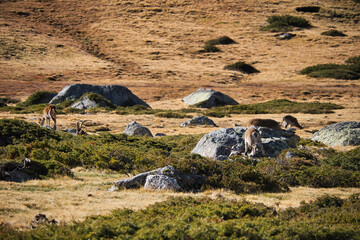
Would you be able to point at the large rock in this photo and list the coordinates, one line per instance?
(217, 144)
(222, 143)
(339, 134)
(161, 182)
(116, 94)
(199, 120)
(136, 129)
(207, 98)
(186, 181)
(85, 103)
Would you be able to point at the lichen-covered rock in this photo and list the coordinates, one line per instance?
(207, 98)
(185, 181)
(116, 94)
(218, 144)
(136, 129)
(225, 142)
(161, 182)
(84, 103)
(199, 120)
(339, 134)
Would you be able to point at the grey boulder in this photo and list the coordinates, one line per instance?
(136, 129)
(116, 94)
(185, 181)
(199, 120)
(84, 103)
(225, 142)
(207, 98)
(339, 134)
(161, 182)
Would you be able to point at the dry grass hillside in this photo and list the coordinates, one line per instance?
(153, 48)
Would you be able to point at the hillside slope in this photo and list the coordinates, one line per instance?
(153, 46)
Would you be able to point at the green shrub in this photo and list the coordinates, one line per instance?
(221, 41)
(285, 23)
(241, 67)
(172, 114)
(14, 131)
(349, 160)
(273, 106)
(327, 217)
(333, 33)
(210, 48)
(38, 98)
(353, 60)
(310, 9)
(336, 71)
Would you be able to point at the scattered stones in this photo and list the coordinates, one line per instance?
(207, 98)
(199, 120)
(136, 129)
(339, 134)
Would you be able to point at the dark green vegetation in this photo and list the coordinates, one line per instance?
(38, 98)
(350, 71)
(328, 217)
(334, 33)
(274, 106)
(285, 23)
(310, 9)
(241, 67)
(55, 153)
(221, 41)
(210, 48)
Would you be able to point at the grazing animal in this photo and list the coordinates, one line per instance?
(253, 141)
(269, 123)
(79, 131)
(49, 112)
(289, 120)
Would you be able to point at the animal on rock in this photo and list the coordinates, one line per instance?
(49, 112)
(253, 141)
(269, 123)
(289, 120)
(79, 124)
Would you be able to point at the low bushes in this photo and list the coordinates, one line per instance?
(241, 67)
(333, 33)
(285, 23)
(327, 217)
(273, 106)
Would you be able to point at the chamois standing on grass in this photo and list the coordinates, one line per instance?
(49, 112)
(269, 123)
(253, 141)
(289, 120)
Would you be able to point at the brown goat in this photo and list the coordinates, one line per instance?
(269, 123)
(49, 112)
(289, 120)
(253, 141)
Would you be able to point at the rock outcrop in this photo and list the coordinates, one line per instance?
(199, 120)
(339, 134)
(224, 142)
(136, 129)
(208, 98)
(116, 94)
(166, 178)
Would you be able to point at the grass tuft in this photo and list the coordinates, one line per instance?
(285, 23)
(333, 33)
(221, 41)
(241, 67)
(336, 71)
